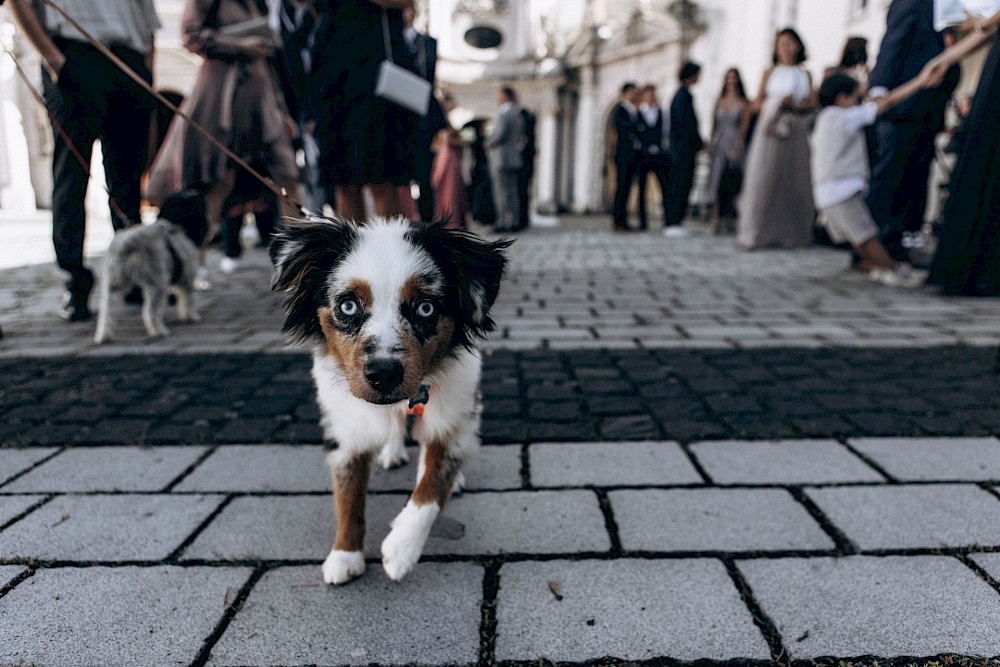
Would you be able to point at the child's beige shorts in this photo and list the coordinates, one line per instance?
(850, 221)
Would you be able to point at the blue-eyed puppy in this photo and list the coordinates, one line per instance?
(392, 311)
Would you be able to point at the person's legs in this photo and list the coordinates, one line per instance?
(871, 251)
(350, 202)
(125, 135)
(422, 173)
(78, 120)
(642, 175)
(661, 169)
(387, 201)
(512, 198)
(680, 191)
(913, 207)
(624, 177)
(886, 184)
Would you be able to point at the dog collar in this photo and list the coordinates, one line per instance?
(417, 403)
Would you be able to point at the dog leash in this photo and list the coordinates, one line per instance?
(130, 73)
(115, 208)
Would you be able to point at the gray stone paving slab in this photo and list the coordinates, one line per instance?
(923, 459)
(909, 517)
(106, 528)
(13, 461)
(989, 562)
(493, 467)
(781, 462)
(122, 616)
(8, 572)
(714, 520)
(537, 522)
(11, 506)
(610, 464)
(627, 609)
(286, 528)
(292, 617)
(302, 527)
(108, 469)
(260, 468)
(886, 607)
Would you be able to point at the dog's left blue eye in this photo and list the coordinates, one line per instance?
(349, 308)
(425, 309)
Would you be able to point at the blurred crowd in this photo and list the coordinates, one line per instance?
(287, 91)
(846, 160)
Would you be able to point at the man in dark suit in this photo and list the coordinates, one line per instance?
(905, 135)
(685, 143)
(654, 160)
(423, 52)
(507, 143)
(628, 148)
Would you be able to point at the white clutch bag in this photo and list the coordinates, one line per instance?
(255, 27)
(403, 88)
(399, 85)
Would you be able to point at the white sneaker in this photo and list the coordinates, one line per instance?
(676, 232)
(903, 275)
(201, 279)
(228, 264)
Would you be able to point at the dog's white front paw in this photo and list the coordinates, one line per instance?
(342, 566)
(401, 549)
(393, 455)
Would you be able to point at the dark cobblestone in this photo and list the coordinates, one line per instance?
(529, 396)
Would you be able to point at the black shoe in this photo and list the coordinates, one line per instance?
(74, 307)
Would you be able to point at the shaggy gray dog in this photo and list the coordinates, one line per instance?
(156, 258)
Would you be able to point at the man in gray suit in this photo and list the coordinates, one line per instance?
(507, 142)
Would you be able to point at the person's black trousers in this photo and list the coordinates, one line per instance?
(681, 182)
(422, 175)
(897, 195)
(625, 173)
(659, 166)
(94, 100)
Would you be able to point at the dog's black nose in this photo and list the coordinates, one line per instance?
(384, 375)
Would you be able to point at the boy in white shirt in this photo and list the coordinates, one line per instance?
(840, 173)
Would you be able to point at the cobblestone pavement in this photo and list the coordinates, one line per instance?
(690, 454)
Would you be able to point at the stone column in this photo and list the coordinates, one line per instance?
(548, 153)
(567, 115)
(586, 196)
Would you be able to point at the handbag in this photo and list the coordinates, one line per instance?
(399, 85)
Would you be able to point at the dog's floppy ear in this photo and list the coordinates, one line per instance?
(304, 254)
(472, 269)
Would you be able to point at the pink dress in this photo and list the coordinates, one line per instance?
(450, 201)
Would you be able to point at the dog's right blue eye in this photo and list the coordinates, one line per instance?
(349, 308)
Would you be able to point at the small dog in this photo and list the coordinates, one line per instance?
(392, 311)
(155, 258)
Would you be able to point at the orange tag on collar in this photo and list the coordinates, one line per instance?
(418, 402)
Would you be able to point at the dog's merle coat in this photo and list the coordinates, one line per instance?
(390, 309)
(156, 258)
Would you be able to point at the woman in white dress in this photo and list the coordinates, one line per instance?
(776, 208)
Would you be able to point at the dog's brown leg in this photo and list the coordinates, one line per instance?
(350, 486)
(401, 549)
(438, 479)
